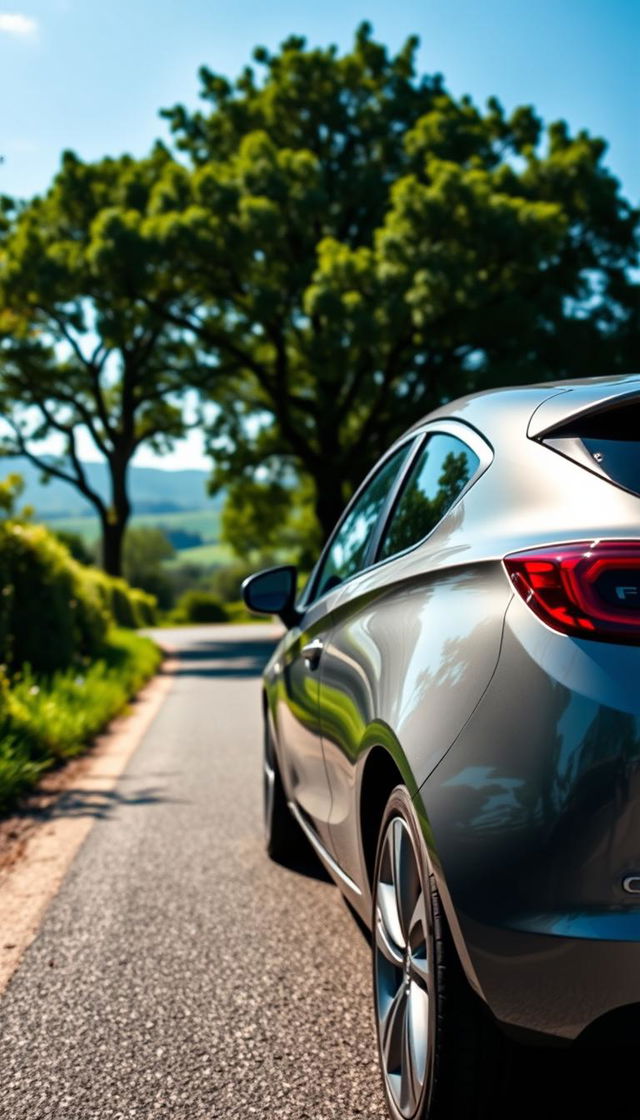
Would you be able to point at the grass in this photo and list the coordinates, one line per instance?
(48, 720)
(204, 555)
(206, 522)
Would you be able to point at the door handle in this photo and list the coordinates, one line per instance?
(312, 653)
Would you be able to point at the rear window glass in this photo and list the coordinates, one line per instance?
(347, 552)
(608, 442)
(440, 474)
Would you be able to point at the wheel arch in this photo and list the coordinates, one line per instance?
(380, 774)
(384, 767)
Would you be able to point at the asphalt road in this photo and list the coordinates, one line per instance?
(178, 973)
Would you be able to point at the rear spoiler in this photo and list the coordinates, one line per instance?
(569, 404)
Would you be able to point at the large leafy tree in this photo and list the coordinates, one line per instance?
(84, 355)
(354, 246)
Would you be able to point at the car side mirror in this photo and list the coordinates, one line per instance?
(273, 592)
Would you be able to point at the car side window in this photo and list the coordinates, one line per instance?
(348, 549)
(441, 471)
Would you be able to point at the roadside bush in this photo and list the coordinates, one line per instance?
(18, 767)
(226, 581)
(199, 606)
(129, 607)
(44, 720)
(237, 612)
(77, 546)
(53, 610)
(50, 613)
(145, 607)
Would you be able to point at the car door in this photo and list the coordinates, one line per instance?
(390, 631)
(300, 671)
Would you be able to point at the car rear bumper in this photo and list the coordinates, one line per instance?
(534, 822)
(548, 985)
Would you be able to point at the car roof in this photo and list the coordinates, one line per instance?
(534, 409)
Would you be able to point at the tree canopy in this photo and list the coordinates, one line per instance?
(356, 246)
(83, 354)
(335, 246)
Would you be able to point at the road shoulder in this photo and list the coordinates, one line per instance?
(37, 847)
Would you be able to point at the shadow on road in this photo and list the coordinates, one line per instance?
(304, 861)
(236, 660)
(585, 1084)
(87, 802)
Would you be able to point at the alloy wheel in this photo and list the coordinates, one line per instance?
(403, 970)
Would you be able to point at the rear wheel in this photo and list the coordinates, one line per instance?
(440, 1054)
(283, 836)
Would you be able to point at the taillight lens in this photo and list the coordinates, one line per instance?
(590, 589)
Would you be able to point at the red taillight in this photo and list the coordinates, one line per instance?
(590, 589)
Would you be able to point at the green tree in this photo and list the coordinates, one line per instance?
(83, 354)
(145, 552)
(263, 520)
(354, 246)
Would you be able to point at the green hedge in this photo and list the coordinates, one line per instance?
(44, 720)
(54, 611)
(64, 670)
(128, 606)
(50, 614)
(199, 606)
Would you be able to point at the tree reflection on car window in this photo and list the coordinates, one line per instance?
(348, 550)
(439, 476)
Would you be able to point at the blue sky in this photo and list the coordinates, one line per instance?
(92, 75)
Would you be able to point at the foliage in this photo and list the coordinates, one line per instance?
(226, 582)
(355, 246)
(199, 606)
(237, 612)
(145, 607)
(50, 614)
(270, 518)
(11, 488)
(129, 607)
(145, 552)
(82, 349)
(338, 246)
(46, 720)
(53, 610)
(77, 546)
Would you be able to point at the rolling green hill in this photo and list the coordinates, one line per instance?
(175, 501)
(153, 491)
(204, 523)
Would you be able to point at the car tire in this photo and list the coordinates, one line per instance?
(283, 836)
(440, 1053)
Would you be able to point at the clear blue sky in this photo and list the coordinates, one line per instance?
(91, 74)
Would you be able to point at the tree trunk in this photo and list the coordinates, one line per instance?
(112, 541)
(114, 523)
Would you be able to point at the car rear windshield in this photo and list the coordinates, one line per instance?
(607, 442)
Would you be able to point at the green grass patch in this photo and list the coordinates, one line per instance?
(206, 522)
(45, 720)
(203, 555)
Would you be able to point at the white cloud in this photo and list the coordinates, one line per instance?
(14, 23)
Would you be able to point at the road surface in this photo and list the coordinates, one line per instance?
(178, 973)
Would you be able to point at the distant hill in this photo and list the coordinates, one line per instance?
(152, 491)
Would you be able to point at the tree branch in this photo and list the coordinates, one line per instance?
(79, 481)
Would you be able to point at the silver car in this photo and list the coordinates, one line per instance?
(453, 721)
